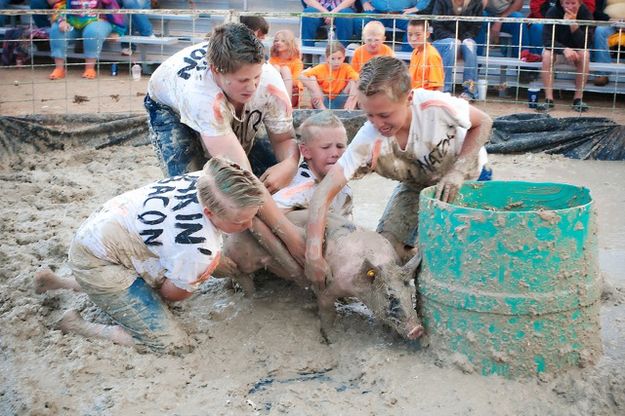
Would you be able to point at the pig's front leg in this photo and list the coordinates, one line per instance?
(246, 281)
(327, 315)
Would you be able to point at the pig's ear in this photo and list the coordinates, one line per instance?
(411, 266)
(369, 271)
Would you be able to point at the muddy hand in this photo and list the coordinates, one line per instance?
(448, 187)
(317, 272)
(227, 268)
(278, 176)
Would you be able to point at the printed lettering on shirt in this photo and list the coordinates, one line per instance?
(195, 61)
(173, 199)
(430, 162)
(252, 120)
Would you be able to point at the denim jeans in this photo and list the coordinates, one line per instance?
(447, 48)
(602, 52)
(514, 29)
(178, 147)
(336, 103)
(139, 23)
(344, 27)
(40, 20)
(142, 312)
(93, 36)
(3, 5)
(535, 38)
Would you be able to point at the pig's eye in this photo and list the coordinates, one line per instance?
(371, 274)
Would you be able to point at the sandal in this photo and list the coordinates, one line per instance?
(89, 73)
(58, 73)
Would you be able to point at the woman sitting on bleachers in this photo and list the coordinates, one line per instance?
(138, 23)
(92, 28)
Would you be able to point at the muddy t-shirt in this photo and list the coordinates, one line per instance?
(299, 192)
(159, 230)
(439, 125)
(185, 83)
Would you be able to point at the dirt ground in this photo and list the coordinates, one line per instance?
(260, 355)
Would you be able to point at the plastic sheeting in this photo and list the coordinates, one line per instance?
(575, 137)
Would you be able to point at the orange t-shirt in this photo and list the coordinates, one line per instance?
(332, 83)
(426, 68)
(295, 65)
(362, 56)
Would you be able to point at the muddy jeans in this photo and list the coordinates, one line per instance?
(179, 148)
(138, 308)
(401, 215)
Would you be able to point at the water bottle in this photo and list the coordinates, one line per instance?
(113, 70)
(136, 72)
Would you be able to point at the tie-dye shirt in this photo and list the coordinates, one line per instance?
(80, 21)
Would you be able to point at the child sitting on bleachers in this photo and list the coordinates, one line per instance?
(426, 64)
(373, 36)
(332, 84)
(285, 57)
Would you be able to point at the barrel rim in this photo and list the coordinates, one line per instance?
(423, 197)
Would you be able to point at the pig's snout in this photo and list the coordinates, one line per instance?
(415, 332)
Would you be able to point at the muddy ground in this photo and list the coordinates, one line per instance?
(261, 355)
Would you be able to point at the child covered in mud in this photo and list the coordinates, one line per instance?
(154, 245)
(417, 137)
(323, 140)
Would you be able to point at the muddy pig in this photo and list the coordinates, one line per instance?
(364, 265)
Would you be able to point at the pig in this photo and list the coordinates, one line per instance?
(363, 265)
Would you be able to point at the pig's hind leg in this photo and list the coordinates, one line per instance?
(327, 316)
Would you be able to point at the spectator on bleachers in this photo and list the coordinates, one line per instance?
(373, 35)
(501, 8)
(538, 9)
(285, 57)
(426, 64)
(3, 5)
(570, 44)
(604, 35)
(344, 26)
(256, 24)
(93, 29)
(40, 20)
(449, 46)
(138, 24)
(332, 84)
(397, 7)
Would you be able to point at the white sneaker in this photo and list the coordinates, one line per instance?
(127, 51)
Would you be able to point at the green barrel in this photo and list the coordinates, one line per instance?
(509, 277)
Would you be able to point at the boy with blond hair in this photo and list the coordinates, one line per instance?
(426, 64)
(373, 36)
(332, 84)
(322, 141)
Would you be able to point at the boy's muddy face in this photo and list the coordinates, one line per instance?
(373, 42)
(324, 148)
(336, 59)
(241, 85)
(388, 116)
(233, 220)
(416, 36)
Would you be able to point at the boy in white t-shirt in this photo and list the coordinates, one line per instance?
(155, 244)
(417, 137)
(323, 140)
(210, 100)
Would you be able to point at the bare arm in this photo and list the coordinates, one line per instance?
(476, 137)
(226, 146)
(315, 267)
(315, 91)
(316, 5)
(287, 152)
(173, 293)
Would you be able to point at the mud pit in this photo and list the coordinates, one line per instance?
(261, 355)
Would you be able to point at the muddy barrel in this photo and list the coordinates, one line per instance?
(509, 282)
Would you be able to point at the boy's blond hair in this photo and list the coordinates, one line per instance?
(387, 75)
(223, 181)
(321, 119)
(373, 28)
(233, 45)
(334, 47)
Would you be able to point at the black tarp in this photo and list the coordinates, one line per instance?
(575, 137)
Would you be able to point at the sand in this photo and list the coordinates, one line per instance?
(262, 355)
